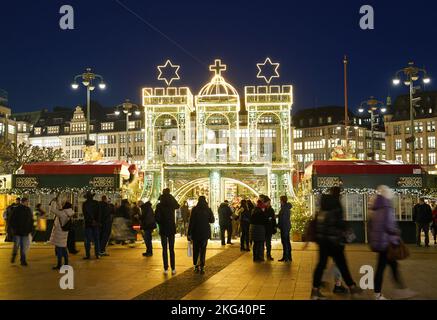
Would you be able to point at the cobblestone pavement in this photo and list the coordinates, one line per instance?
(125, 274)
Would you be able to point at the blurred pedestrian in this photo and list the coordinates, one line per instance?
(148, 224)
(185, 215)
(244, 215)
(61, 227)
(384, 232)
(135, 220)
(165, 217)
(105, 224)
(122, 224)
(39, 233)
(422, 216)
(434, 223)
(258, 223)
(225, 222)
(284, 224)
(330, 233)
(21, 227)
(91, 215)
(199, 232)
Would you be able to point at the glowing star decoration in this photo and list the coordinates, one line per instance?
(267, 75)
(168, 72)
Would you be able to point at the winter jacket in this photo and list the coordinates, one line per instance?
(21, 221)
(284, 217)
(422, 213)
(258, 223)
(59, 237)
(330, 226)
(185, 213)
(105, 213)
(165, 215)
(123, 212)
(382, 226)
(225, 214)
(271, 225)
(244, 217)
(148, 221)
(136, 215)
(91, 213)
(199, 228)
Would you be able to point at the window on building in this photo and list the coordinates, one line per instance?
(298, 146)
(418, 144)
(37, 131)
(383, 147)
(112, 139)
(107, 126)
(11, 129)
(67, 142)
(430, 126)
(102, 139)
(132, 124)
(78, 127)
(418, 127)
(297, 134)
(431, 142)
(53, 130)
(432, 158)
(67, 129)
(398, 144)
(397, 130)
(329, 120)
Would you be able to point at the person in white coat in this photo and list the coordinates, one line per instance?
(59, 235)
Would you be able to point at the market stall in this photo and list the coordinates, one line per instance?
(359, 180)
(43, 181)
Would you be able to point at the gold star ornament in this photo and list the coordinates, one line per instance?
(168, 72)
(267, 70)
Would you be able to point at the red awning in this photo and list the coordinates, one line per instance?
(362, 167)
(81, 167)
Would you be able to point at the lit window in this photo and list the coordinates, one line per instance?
(103, 140)
(432, 158)
(297, 134)
(37, 131)
(329, 119)
(132, 124)
(53, 130)
(431, 142)
(398, 144)
(11, 129)
(107, 126)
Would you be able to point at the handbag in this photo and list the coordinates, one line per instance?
(397, 252)
(190, 249)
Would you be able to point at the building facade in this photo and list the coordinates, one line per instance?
(398, 126)
(316, 132)
(8, 127)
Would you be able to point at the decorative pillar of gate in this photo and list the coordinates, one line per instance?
(215, 189)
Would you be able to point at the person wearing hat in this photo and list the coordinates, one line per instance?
(91, 215)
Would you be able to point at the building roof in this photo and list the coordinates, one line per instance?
(425, 108)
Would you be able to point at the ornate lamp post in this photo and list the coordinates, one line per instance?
(374, 108)
(128, 109)
(88, 79)
(410, 75)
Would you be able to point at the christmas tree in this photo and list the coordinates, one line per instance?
(300, 214)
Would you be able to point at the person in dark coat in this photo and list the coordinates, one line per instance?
(165, 217)
(258, 223)
(199, 231)
(284, 224)
(7, 216)
(148, 224)
(270, 227)
(91, 215)
(71, 239)
(422, 216)
(330, 231)
(105, 224)
(21, 226)
(225, 221)
(185, 215)
(244, 225)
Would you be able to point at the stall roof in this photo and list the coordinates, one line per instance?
(76, 168)
(362, 168)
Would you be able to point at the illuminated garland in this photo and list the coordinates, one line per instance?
(416, 192)
(48, 191)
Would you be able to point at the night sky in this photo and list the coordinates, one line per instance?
(38, 60)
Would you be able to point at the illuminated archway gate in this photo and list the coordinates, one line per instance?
(181, 179)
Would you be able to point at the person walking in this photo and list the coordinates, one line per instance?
(7, 216)
(284, 224)
(330, 231)
(384, 232)
(105, 224)
(185, 214)
(61, 227)
(244, 215)
(434, 224)
(148, 224)
(91, 214)
(225, 222)
(258, 223)
(165, 217)
(422, 216)
(199, 232)
(21, 227)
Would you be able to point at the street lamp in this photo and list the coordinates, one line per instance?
(411, 74)
(128, 109)
(373, 107)
(88, 79)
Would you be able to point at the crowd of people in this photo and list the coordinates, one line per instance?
(257, 223)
